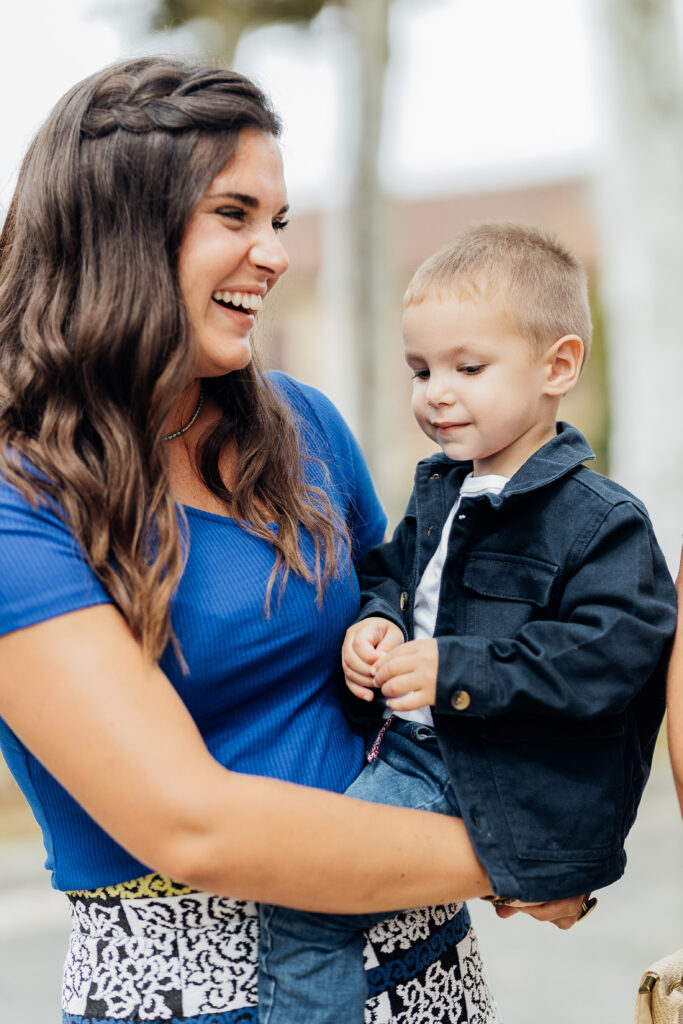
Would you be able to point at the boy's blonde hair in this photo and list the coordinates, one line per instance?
(544, 284)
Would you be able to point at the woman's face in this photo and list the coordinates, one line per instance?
(232, 253)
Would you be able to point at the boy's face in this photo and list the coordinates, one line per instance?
(479, 387)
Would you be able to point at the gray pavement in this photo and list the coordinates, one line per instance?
(539, 974)
(34, 930)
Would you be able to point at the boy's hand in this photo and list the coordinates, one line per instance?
(364, 644)
(407, 675)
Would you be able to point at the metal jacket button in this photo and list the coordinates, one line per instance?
(404, 600)
(435, 476)
(461, 700)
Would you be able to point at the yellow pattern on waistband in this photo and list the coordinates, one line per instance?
(137, 888)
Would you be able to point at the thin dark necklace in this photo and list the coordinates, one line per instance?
(193, 417)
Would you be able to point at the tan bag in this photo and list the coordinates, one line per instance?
(660, 996)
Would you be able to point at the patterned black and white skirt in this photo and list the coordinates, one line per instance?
(153, 950)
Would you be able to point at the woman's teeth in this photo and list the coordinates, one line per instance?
(246, 300)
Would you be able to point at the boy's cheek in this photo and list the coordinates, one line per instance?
(420, 414)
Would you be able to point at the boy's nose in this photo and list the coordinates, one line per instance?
(440, 392)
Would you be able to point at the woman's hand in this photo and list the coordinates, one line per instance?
(364, 645)
(562, 913)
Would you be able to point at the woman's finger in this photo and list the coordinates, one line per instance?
(562, 913)
(564, 923)
(506, 911)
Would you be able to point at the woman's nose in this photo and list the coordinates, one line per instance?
(268, 254)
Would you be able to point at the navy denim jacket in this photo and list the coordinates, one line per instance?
(554, 625)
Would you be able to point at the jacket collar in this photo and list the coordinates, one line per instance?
(563, 453)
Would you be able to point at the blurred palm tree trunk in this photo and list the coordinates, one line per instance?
(640, 220)
(369, 248)
(355, 277)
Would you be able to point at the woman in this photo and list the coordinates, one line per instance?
(175, 530)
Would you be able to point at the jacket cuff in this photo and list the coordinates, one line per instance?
(382, 610)
(461, 686)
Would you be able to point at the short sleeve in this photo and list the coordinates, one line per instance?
(43, 570)
(327, 435)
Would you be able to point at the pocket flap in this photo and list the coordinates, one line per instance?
(510, 577)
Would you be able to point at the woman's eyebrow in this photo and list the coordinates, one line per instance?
(241, 197)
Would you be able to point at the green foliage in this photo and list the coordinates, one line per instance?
(279, 10)
(244, 12)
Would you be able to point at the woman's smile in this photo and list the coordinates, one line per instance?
(240, 306)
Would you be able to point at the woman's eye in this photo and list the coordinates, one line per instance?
(280, 225)
(232, 213)
(471, 369)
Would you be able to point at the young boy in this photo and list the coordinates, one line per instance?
(514, 633)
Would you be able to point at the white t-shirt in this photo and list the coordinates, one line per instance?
(429, 587)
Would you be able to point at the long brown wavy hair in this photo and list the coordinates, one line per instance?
(95, 345)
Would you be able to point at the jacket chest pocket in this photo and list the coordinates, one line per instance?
(504, 592)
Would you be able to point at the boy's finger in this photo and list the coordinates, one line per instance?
(352, 660)
(352, 663)
(407, 702)
(364, 692)
(358, 678)
(398, 685)
(391, 639)
(392, 666)
(364, 649)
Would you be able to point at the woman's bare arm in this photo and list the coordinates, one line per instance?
(113, 731)
(674, 697)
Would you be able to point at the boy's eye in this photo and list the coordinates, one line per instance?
(471, 369)
(420, 374)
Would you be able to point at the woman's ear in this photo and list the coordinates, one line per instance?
(563, 361)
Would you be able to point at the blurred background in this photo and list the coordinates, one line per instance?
(404, 121)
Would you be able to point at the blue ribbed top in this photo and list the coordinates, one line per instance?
(262, 691)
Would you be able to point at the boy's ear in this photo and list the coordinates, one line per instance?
(563, 362)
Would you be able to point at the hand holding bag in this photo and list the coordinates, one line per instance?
(660, 996)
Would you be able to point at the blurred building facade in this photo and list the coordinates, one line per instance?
(302, 338)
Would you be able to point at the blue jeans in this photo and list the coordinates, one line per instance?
(311, 965)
